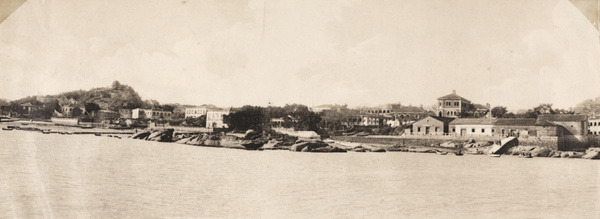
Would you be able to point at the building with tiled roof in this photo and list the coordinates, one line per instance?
(451, 105)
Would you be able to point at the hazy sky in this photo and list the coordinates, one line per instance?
(230, 53)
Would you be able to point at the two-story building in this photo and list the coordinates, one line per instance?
(432, 125)
(195, 112)
(451, 105)
(214, 118)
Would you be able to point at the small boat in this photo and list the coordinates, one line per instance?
(7, 129)
(495, 155)
(97, 134)
(458, 153)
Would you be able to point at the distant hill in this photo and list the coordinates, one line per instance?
(118, 96)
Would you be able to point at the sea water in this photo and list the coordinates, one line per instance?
(86, 176)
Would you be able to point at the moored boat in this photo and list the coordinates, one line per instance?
(458, 153)
(7, 129)
(441, 152)
(495, 155)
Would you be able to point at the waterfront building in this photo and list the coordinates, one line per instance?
(472, 126)
(214, 118)
(432, 125)
(594, 126)
(571, 124)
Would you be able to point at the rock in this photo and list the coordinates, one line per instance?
(184, 140)
(321, 149)
(212, 143)
(140, 135)
(540, 152)
(299, 146)
(338, 150)
(448, 144)
(305, 149)
(379, 150)
(564, 155)
(591, 154)
(357, 149)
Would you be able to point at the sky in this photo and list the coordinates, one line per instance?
(511, 53)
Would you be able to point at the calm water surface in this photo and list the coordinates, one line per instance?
(74, 176)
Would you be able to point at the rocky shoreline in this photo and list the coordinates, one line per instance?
(256, 141)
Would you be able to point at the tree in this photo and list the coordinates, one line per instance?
(544, 108)
(91, 107)
(248, 117)
(588, 107)
(499, 111)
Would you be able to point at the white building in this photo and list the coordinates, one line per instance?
(149, 114)
(594, 126)
(214, 118)
(195, 112)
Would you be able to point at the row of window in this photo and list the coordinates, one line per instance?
(594, 133)
(437, 129)
(594, 123)
(450, 103)
(451, 113)
(195, 111)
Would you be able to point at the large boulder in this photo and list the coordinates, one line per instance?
(540, 152)
(140, 135)
(184, 140)
(161, 136)
(448, 144)
(591, 154)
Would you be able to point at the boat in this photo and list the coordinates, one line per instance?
(97, 134)
(458, 153)
(7, 129)
(86, 127)
(495, 155)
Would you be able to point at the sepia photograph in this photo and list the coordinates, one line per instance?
(300, 109)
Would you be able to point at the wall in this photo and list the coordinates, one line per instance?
(573, 128)
(65, 121)
(469, 129)
(419, 127)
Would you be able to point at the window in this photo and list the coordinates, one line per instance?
(447, 103)
(493, 130)
(455, 103)
(419, 129)
(436, 129)
(453, 130)
(482, 130)
(473, 130)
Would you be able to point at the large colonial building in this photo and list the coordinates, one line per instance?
(451, 105)
(594, 125)
(195, 112)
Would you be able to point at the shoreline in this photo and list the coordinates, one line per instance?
(334, 144)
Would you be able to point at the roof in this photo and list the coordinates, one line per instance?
(408, 109)
(473, 121)
(325, 106)
(515, 122)
(562, 118)
(452, 97)
(441, 119)
(479, 106)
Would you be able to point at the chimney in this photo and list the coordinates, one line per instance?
(453, 91)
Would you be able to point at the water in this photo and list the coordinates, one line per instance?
(75, 176)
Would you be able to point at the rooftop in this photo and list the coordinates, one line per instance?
(562, 118)
(453, 96)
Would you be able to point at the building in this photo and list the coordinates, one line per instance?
(69, 109)
(451, 105)
(28, 108)
(214, 118)
(594, 126)
(570, 124)
(107, 115)
(432, 125)
(195, 112)
(471, 126)
(125, 113)
(150, 114)
(503, 127)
